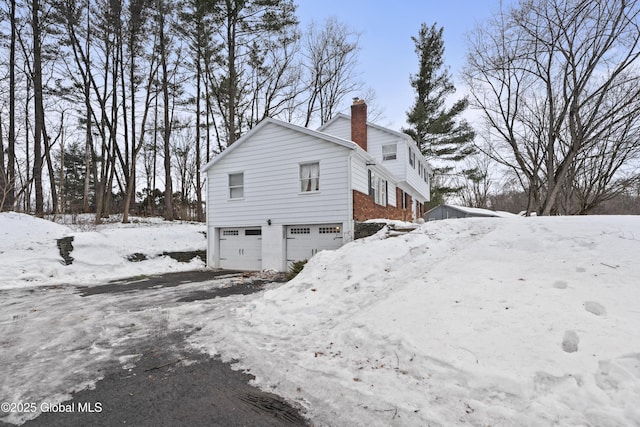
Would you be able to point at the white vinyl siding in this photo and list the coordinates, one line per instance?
(400, 168)
(271, 161)
(360, 180)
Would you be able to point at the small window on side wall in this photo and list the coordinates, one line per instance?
(389, 152)
(309, 177)
(236, 185)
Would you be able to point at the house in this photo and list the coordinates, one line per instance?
(283, 192)
(451, 211)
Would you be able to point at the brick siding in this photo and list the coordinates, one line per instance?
(365, 208)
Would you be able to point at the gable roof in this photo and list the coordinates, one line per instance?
(341, 116)
(317, 134)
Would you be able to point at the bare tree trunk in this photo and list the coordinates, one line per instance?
(88, 146)
(135, 149)
(9, 201)
(38, 107)
(4, 187)
(168, 188)
(47, 155)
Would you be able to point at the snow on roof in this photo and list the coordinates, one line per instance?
(482, 212)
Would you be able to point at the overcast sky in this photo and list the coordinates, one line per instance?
(387, 57)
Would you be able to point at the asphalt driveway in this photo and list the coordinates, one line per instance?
(172, 384)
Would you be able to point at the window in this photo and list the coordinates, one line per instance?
(309, 177)
(412, 158)
(300, 230)
(236, 185)
(389, 152)
(229, 232)
(253, 232)
(329, 230)
(406, 200)
(378, 189)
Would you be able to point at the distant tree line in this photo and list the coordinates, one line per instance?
(100, 99)
(114, 106)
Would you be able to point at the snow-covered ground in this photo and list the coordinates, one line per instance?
(29, 255)
(487, 321)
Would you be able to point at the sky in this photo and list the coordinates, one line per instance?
(387, 58)
(527, 321)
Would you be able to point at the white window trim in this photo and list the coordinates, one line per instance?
(232, 187)
(378, 188)
(391, 155)
(311, 178)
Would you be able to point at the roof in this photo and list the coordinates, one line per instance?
(324, 136)
(479, 212)
(342, 116)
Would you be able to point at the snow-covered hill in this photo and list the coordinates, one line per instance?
(29, 255)
(523, 321)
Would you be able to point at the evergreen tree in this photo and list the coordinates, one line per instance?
(70, 180)
(442, 137)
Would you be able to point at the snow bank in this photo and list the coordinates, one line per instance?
(461, 321)
(29, 255)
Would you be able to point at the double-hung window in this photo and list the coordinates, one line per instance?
(412, 158)
(378, 189)
(236, 185)
(309, 177)
(389, 152)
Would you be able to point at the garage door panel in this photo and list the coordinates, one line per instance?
(304, 241)
(241, 248)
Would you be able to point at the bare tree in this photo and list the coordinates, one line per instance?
(10, 173)
(476, 186)
(330, 63)
(243, 26)
(556, 80)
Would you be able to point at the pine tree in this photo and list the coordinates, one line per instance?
(442, 137)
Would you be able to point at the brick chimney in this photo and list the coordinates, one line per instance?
(359, 123)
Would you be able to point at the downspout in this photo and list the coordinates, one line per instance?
(351, 222)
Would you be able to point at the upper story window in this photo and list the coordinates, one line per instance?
(389, 152)
(412, 158)
(236, 185)
(309, 177)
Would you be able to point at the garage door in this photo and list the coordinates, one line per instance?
(241, 248)
(304, 241)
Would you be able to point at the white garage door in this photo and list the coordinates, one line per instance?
(241, 248)
(304, 241)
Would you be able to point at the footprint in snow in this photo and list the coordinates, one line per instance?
(570, 341)
(560, 284)
(595, 308)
